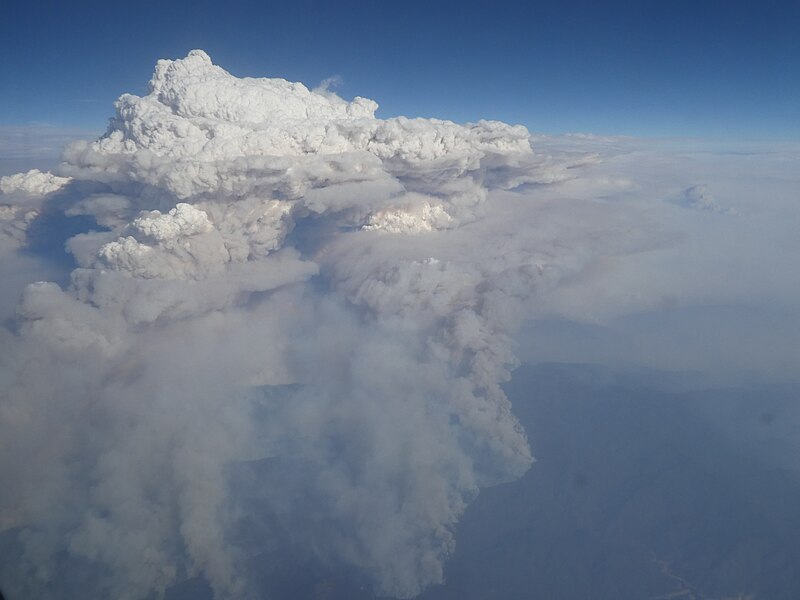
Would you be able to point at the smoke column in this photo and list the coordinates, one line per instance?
(286, 327)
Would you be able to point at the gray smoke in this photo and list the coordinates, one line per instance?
(287, 327)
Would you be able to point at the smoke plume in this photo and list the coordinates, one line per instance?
(285, 329)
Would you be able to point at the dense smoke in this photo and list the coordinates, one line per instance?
(286, 328)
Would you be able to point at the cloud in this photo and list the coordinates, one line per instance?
(699, 198)
(255, 293)
(286, 324)
(33, 183)
(718, 292)
(328, 84)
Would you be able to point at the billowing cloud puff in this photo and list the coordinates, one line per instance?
(20, 198)
(202, 131)
(34, 183)
(288, 324)
(699, 197)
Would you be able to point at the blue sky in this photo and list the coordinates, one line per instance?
(676, 68)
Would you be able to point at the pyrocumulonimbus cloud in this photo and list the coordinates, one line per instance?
(287, 326)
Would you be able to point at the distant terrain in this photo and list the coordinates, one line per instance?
(639, 493)
(645, 487)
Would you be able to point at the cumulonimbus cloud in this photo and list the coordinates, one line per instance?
(288, 324)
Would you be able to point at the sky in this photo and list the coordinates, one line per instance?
(687, 68)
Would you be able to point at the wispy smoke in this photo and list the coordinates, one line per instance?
(288, 325)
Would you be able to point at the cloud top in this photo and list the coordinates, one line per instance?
(197, 115)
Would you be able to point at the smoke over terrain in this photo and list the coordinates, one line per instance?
(270, 322)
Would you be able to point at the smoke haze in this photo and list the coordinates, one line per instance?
(266, 319)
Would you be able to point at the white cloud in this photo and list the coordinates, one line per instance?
(34, 183)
